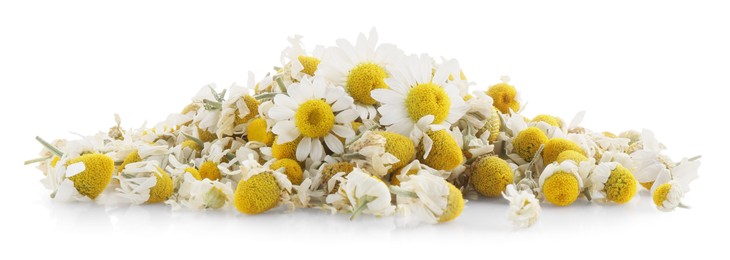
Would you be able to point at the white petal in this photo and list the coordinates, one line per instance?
(286, 130)
(396, 86)
(304, 148)
(317, 151)
(387, 96)
(334, 144)
(343, 131)
(281, 113)
(74, 169)
(284, 100)
(427, 144)
(343, 103)
(346, 116)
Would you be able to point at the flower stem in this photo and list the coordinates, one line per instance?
(195, 139)
(49, 146)
(361, 206)
(37, 160)
(269, 95)
(281, 85)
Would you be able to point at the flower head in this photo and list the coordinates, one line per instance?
(491, 175)
(560, 183)
(524, 208)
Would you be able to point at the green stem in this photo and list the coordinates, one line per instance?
(197, 140)
(49, 146)
(263, 96)
(695, 158)
(37, 160)
(281, 85)
(362, 205)
(399, 191)
(212, 105)
(351, 156)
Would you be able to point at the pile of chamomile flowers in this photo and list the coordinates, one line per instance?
(362, 129)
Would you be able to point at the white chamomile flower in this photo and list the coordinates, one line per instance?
(210, 110)
(524, 208)
(362, 193)
(297, 62)
(57, 180)
(416, 93)
(315, 111)
(479, 110)
(359, 69)
(138, 183)
(668, 196)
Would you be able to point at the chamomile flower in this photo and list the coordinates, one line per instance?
(260, 189)
(95, 176)
(440, 150)
(561, 184)
(144, 182)
(670, 186)
(424, 197)
(317, 112)
(415, 92)
(524, 208)
(373, 156)
(490, 176)
(613, 182)
(362, 193)
(198, 194)
(237, 110)
(359, 69)
(650, 162)
(505, 96)
(297, 62)
(209, 110)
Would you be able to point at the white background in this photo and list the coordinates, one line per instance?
(70, 65)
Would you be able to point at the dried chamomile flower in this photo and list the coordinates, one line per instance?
(97, 174)
(490, 176)
(555, 146)
(443, 153)
(560, 183)
(362, 193)
(505, 97)
(524, 208)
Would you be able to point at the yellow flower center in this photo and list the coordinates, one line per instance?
(394, 179)
(504, 95)
(647, 185)
(399, 146)
(445, 152)
(209, 170)
(454, 204)
(330, 170)
(314, 118)
(571, 155)
(194, 172)
(550, 120)
(257, 194)
(428, 99)
(132, 157)
(206, 136)
(621, 185)
(292, 170)
(555, 146)
(162, 189)
(660, 194)
(285, 150)
(192, 145)
(490, 176)
(561, 188)
(310, 64)
(362, 79)
(253, 107)
(256, 131)
(528, 141)
(92, 181)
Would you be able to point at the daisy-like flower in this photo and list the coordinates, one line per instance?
(670, 186)
(415, 93)
(480, 111)
(359, 69)
(362, 193)
(144, 182)
(260, 189)
(373, 157)
(650, 162)
(524, 208)
(506, 97)
(297, 62)
(426, 198)
(612, 182)
(198, 194)
(317, 112)
(237, 110)
(561, 184)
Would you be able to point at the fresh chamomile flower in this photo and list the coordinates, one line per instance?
(144, 182)
(297, 62)
(427, 198)
(359, 69)
(505, 96)
(613, 182)
(555, 146)
(416, 93)
(369, 153)
(524, 208)
(198, 194)
(490, 176)
(95, 176)
(237, 110)
(440, 150)
(670, 186)
(318, 112)
(560, 183)
(362, 193)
